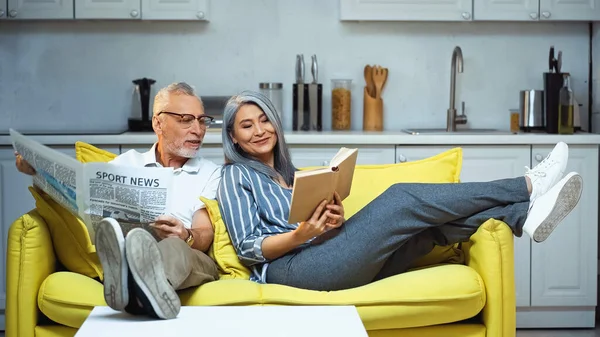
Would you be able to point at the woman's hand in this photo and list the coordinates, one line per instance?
(335, 212)
(23, 166)
(313, 227)
(169, 226)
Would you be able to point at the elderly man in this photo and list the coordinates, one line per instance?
(141, 275)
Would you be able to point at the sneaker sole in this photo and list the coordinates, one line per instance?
(110, 247)
(147, 269)
(567, 199)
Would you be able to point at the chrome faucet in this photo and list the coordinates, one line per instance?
(452, 118)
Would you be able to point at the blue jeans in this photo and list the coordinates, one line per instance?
(401, 225)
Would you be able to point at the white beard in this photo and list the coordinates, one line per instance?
(181, 151)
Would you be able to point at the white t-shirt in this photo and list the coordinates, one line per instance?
(198, 177)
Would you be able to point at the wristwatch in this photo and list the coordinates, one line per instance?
(190, 238)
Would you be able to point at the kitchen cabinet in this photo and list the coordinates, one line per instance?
(555, 281)
(406, 10)
(36, 9)
(183, 10)
(567, 10)
(484, 164)
(108, 9)
(142, 9)
(536, 10)
(175, 10)
(564, 268)
(500, 10)
(320, 155)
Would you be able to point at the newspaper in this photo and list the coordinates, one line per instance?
(92, 191)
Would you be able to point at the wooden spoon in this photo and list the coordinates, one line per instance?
(369, 80)
(379, 77)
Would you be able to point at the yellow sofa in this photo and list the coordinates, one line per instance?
(460, 290)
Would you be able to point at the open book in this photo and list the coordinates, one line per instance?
(313, 186)
(134, 196)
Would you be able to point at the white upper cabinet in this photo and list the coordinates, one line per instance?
(406, 10)
(175, 10)
(39, 9)
(567, 10)
(536, 10)
(142, 9)
(108, 9)
(509, 10)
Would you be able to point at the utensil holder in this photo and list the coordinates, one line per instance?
(372, 113)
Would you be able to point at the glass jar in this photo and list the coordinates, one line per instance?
(341, 104)
(274, 91)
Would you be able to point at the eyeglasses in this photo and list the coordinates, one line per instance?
(186, 120)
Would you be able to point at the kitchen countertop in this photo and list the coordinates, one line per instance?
(337, 138)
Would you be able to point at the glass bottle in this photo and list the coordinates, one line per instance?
(341, 104)
(565, 108)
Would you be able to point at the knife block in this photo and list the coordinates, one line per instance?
(372, 113)
(300, 108)
(552, 84)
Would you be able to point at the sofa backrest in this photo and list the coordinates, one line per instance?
(368, 182)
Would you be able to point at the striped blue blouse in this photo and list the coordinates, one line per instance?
(253, 207)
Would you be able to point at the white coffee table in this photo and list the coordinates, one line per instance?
(222, 321)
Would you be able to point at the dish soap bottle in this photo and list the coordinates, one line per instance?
(565, 108)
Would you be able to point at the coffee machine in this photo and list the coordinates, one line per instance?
(143, 92)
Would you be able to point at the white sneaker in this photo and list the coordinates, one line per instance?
(549, 171)
(110, 247)
(549, 209)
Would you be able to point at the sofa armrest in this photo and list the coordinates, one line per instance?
(30, 259)
(490, 252)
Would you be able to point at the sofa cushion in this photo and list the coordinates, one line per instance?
(68, 298)
(222, 250)
(87, 153)
(429, 296)
(70, 237)
(369, 181)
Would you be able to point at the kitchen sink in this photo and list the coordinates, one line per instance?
(443, 131)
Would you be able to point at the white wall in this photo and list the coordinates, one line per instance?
(76, 76)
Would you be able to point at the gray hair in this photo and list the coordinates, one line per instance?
(234, 154)
(178, 88)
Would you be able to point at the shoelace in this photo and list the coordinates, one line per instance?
(538, 170)
(534, 172)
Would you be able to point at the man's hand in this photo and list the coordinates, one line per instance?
(169, 226)
(23, 166)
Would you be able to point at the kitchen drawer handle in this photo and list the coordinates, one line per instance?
(1, 13)
(534, 15)
(134, 13)
(200, 15)
(325, 162)
(466, 15)
(402, 159)
(12, 13)
(546, 15)
(539, 157)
